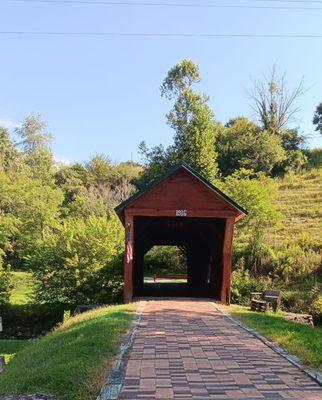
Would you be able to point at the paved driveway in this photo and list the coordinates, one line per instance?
(186, 349)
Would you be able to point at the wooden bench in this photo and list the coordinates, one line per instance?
(170, 276)
(261, 301)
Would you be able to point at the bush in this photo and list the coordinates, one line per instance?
(303, 301)
(316, 309)
(29, 320)
(243, 284)
(80, 263)
(296, 301)
(106, 285)
(5, 286)
(164, 259)
(314, 157)
(296, 261)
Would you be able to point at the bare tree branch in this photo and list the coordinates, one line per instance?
(273, 102)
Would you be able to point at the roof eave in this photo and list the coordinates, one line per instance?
(119, 208)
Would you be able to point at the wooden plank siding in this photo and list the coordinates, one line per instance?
(184, 192)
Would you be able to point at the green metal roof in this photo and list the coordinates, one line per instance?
(168, 173)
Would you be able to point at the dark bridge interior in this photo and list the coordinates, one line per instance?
(202, 241)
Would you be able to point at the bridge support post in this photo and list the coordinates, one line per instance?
(128, 258)
(226, 260)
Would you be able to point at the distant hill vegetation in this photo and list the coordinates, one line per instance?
(300, 202)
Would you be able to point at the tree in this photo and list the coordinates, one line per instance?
(179, 78)
(193, 122)
(35, 147)
(80, 262)
(95, 188)
(292, 140)
(257, 193)
(243, 144)
(317, 119)
(274, 103)
(32, 133)
(99, 170)
(8, 154)
(5, 285)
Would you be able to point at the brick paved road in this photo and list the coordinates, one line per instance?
(187, 349)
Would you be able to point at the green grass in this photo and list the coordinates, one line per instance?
(71, 361)
(300, 203)
(9, 348)
(22, 287)
(303, 341)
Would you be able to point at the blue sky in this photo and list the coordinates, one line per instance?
(101, 94)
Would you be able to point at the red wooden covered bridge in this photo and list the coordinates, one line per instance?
(182, 209)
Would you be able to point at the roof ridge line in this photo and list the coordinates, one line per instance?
(191, 170)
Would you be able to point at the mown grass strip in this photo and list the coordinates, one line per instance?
(9, 348)
(71, 361)
(303, 341)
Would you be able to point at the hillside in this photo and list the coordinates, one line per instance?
(72, 360)
(300, 203)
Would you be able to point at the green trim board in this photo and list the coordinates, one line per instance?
(158, 180)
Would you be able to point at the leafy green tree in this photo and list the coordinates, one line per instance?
(317, 119)
(5, 285)
(243, 144)
(28, 210)
(80, 262)
(129, 170)
(257, 193)
(99, 170)
(72, 180)
(38, 211)
(35, 148)
(179, 78)
(294, 162)
(158, 161)
(9, 156)
(193, 123)
(292, 140)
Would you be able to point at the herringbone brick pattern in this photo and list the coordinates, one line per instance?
(190, 350)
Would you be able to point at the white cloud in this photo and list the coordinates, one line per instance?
(7, 123)
(61, 160)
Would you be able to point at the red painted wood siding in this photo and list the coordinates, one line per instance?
(181, 191)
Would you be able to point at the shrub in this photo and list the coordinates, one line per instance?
(243, 284)
(297, 301)
(314, 157)
(26, 321)
(5, 285)
(80, 262)
(294, 261)
(164, 259)
(303, 301)
(316, 309)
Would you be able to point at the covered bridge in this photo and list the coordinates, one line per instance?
(182, 209)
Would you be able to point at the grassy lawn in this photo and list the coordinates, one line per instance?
(22, 287)
(71, 361)
(9, 348)
(303, 341)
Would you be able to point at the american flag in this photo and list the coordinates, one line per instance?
(129, 252)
